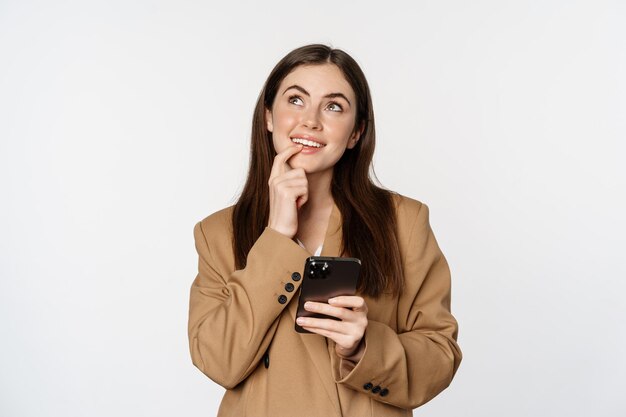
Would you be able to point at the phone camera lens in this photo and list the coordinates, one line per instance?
(319, 271)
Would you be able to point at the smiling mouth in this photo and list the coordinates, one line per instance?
(307, 142)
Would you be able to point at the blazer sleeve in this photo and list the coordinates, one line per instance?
(409, 367)
(233, 316)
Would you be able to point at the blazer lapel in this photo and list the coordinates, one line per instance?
(316, 345)
(332, 240)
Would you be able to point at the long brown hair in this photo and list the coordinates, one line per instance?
(368, 213)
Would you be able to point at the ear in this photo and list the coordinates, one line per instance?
(268, 120)
(356, 136)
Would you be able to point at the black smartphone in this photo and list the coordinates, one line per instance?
(326, 277)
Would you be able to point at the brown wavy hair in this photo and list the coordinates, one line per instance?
(368, 212)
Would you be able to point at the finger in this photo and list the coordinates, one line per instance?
(331, 325)
(303, 195)
(297, 174)
(301, 201)
(323, 308)
(345, 342)
(295, 192)
(280, 160)
(326, 333)
(349, 301)
(290, 189)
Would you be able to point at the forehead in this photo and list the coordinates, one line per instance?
(318, 80)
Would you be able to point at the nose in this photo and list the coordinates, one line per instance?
(311, 119)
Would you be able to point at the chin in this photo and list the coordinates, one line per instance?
(307, 169)
(309, 165)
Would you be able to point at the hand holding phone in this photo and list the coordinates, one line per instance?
(324, 278)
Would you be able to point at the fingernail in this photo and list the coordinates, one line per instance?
(300, 320)
(307, 305)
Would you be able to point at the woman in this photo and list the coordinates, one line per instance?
(309, 192)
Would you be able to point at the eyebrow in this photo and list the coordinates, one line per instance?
(331, 95)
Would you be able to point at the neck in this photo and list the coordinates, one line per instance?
(320, 197)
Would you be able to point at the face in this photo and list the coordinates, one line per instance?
(314, 105)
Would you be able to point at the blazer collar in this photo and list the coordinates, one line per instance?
(332, 239)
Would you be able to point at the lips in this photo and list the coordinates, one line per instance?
(307, 141)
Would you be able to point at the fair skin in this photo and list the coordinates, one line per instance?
(314, 103)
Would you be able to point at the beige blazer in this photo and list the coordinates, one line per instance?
(241, 327)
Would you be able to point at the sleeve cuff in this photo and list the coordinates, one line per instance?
(273, 271)
(365, 375)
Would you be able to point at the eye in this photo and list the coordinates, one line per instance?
(297, 100)
(334, 107)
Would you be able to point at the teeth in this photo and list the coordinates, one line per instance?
(307, 142)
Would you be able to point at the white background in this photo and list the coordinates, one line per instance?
(124, 123)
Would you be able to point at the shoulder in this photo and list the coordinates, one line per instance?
(213, 235)
(412, 219)
(217, 225)
(407, 208)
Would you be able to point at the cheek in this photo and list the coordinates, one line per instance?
(284, 118)
(279, 144)
(283, 122)
(340, 131)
